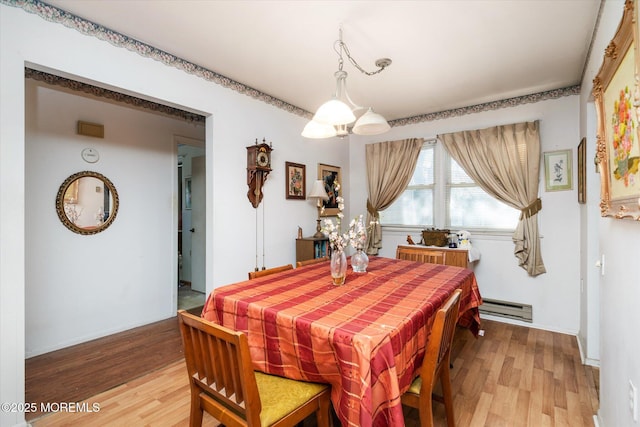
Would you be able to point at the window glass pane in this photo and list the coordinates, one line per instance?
(414, 207)
(471, 207)
(423, 175)
(458, 176)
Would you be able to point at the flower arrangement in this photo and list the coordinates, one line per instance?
(338, 241)
(355, 236)
(357, 233)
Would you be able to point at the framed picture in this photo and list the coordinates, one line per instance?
(582, 171)
(618, 143)
(557, 170)
(296, 181)
(330, 176)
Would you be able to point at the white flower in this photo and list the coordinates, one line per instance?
(355, 236)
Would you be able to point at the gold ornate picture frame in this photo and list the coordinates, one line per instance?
(616, 89)
(330, 176)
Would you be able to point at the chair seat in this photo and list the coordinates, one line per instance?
(415, 386)
(281, 396)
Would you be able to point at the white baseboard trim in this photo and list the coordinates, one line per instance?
(527, 324)
(586, 360)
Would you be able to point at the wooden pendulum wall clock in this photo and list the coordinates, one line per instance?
(258, 167)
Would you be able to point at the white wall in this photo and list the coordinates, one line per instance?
(75, 283)
(555, 295)
(619, 288)
(234, 122)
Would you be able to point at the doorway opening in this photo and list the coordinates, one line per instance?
(191, 223)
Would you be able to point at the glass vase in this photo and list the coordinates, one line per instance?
(359, 261)
(338, 267)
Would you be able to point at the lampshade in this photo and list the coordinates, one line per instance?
(371, 123)
(317, 130)
(334, 112)
(318, 191)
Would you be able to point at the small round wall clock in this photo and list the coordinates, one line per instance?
(90, 155)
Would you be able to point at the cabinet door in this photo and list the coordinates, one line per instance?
(457, 258)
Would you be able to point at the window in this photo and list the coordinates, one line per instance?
(446, 197)
(415, 205)
(469, 206)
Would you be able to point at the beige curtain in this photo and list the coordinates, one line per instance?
(505, 162)
(390, 166)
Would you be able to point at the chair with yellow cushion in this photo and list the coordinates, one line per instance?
(436, 365)
(224, 384)
(260, 273)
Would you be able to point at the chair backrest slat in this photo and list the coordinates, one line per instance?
(312, 261)
(260, 273)
(441, 337)
(218, 362)
(421, 254)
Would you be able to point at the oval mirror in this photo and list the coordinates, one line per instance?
(87, 202)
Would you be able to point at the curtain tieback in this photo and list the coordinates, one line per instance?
(531, 210)
(372, 211)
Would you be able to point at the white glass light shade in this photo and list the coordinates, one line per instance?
(317, 130)
(371, 123)
(334, 112)
(318, 191)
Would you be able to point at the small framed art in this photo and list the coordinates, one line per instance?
(296, 181)
(557, 170)
(582, 171)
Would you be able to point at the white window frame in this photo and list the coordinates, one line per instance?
(440, 188)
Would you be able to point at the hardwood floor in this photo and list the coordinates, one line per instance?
(513, 376)
(78, 372)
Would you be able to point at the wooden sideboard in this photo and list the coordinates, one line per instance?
(448, 256)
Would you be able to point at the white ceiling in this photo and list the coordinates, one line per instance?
(446, 53)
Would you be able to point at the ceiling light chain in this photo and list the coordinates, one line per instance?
(381, 63)
(332, 118)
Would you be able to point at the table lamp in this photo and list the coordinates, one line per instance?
(318, 192)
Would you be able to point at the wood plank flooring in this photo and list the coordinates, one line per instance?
(513, 376)
(78, 372)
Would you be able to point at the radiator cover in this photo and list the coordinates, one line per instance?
(508, 309)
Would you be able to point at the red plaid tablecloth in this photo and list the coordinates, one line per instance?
(365, 338)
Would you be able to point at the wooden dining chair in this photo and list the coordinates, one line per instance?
(224, 384)
(260, 273)
(312, 261)
(421, 254)
(436, 365)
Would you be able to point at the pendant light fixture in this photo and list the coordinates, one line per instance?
(333, 117)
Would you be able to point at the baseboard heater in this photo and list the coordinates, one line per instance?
(511, 310)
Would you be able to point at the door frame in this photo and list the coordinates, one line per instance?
(177, 195)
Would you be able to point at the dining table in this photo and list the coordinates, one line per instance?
(366, 338)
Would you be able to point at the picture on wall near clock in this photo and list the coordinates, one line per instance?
(330, 176)
(296, 181)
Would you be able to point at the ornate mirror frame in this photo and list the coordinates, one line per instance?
(67, 198)
(616, 89)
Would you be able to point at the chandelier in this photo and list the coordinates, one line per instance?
(333, 117)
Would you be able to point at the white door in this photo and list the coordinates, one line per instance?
(198, 230)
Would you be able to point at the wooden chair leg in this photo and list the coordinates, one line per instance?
(445, 379)
(195, 417)
(426, 414)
